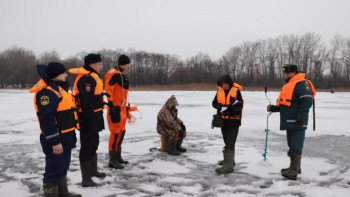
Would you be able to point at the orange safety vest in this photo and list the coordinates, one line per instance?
(225, 100)
(99, 84)
(286, 94)
(118, 95)
(66, 117)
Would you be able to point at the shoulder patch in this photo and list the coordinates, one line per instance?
(44, 100)
(88, 87)
(307, 85)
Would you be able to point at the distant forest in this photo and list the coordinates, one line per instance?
(256, 63)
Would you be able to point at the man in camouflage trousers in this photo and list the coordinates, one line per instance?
(171, 127)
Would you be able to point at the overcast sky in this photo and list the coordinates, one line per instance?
(181, 27)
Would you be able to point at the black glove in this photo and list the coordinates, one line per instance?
(183, 127)
(114, 112)
(235, 109)
(299, 122)
(273, 108)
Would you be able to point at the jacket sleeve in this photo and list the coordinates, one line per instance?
(215, 103)
(304, 96)
(167, 119)
(47, 103)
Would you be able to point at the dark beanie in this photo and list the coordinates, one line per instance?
(92, 58)
(54, 69)
(288, 68)
(123, 60)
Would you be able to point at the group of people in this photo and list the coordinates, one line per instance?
(60, 113)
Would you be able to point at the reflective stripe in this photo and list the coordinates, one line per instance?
(68, 130)
(290, 121)
(99, 109)
(305, 96)
(78, 71)
(51, 136)
(37, 85)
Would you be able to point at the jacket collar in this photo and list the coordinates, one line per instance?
(297, 77)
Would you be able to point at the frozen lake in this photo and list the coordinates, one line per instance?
(325, 163)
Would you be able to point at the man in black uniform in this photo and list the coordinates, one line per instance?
(88, 89)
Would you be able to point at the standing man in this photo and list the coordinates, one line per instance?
(293, 103)
(117, 87)
(229, 104)
(55, 109)
(88, 91)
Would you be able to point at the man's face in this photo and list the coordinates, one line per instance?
(289, 75)
(97, 66)
(125, 67)
(225, 85)
(61, 77)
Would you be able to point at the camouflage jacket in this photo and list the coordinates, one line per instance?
(168, 123)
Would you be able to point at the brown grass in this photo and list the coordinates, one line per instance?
(213, 87)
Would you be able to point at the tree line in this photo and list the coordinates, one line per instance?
(256, 63)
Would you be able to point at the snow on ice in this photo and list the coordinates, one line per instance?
(325, 163)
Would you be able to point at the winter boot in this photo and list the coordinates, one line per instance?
(94, 171)
(228, 163)
(119, 157)
(86, 174)
(178, 145)
(221, 162)
(292, 172)
(63, 189)
(50, 189)
(172, 148)
(113, 162)
(285, 169)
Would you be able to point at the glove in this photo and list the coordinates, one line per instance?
(299, 122)
(114, 112)
(273, 108)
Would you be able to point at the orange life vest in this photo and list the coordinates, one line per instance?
(286, 94)
(66, 117)
(118, 94)
(225, 99)
(82, 72)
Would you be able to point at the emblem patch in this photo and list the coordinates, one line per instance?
(307, 85)
(44, 100)
(88, 87)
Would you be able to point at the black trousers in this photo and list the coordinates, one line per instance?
(229, 133)
(89, 141)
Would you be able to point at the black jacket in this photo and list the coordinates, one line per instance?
(231, 110)
(88, 101)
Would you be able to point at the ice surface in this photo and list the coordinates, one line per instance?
(325, 163)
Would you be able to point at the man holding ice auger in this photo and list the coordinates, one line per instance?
(117, 87)
(293, 103)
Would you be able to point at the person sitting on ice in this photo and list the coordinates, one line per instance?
(171, 128)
